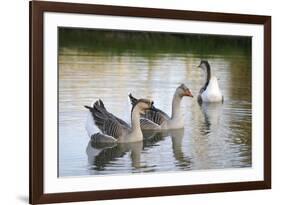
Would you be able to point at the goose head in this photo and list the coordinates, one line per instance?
(205, 66)
(182, 91)
(143, 105)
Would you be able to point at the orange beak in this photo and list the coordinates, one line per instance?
(188, 93)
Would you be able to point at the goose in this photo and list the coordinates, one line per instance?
(210, 92)
(114, 129)
(156, 119)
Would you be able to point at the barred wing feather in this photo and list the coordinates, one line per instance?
(157, 116)
(147, 124)
(107, 122)
(113, 116)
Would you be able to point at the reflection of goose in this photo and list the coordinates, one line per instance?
(210, 92)
(177, 137)
(212, 114)
(157, 119)
(102, 155)
(114, 129)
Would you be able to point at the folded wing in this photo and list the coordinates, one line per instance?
(156, 115)
(107, 122)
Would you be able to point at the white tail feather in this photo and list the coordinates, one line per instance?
(90, 124)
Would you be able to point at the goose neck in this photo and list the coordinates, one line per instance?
(135, 119)
(207, 72)
(176, 110)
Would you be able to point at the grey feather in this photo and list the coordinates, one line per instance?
(147, 124)
(102, 138)
(156, 115)
(108, 123)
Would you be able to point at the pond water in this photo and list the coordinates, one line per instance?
(216, 136)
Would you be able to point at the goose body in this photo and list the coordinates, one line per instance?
(114, 129)
(156, 119)
(210, 92)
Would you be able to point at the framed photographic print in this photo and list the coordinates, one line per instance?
(137, 102)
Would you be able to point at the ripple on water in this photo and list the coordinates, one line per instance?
(215, 137)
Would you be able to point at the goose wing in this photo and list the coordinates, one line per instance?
(155, 115)
(113, 116)
(147, 124)
(99, 138)
(107, 122)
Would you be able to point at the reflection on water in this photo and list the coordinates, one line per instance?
(212, 113)
(106, 157)
(215, 135)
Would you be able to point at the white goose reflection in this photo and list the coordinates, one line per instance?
(212, 113)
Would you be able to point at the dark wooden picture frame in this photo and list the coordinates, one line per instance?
(37, 9)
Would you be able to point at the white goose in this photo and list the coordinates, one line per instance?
(155, 119)
(210, 92)
(112, 128)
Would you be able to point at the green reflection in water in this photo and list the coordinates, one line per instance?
(151, 43)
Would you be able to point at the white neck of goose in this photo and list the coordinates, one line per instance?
(176, 110)
(135, 119)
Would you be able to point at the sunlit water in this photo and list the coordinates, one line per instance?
(215, 136)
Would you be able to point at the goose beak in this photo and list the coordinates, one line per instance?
(188, 93)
